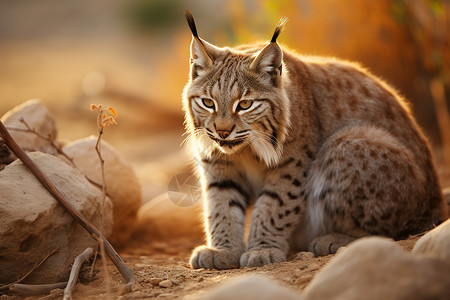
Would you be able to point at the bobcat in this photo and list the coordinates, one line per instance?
(327, 152)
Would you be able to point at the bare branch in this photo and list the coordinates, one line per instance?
(54, 144)
(35, 289)
(79, 260)
(50, 139)
(38, 265)
(7, 287)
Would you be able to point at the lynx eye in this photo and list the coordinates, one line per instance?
(208, 102)
(245, 104)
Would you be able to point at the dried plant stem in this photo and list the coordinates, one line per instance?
(79, 260)
(49, 138)
(35, 289)
(105, 272)
(98, 149)
(38, 265)
(110, 251)
(55, 145)
(35, 267)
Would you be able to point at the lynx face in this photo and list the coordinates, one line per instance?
(235, 100)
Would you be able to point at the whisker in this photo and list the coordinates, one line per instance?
(242, 136)
(192, 136)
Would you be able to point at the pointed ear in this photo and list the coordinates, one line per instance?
(202, 52)
(268, 60)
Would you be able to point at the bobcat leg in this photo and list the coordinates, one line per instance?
(363, 182)
(225, 204)
(277, 211)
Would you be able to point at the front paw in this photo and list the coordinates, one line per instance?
(212, 258)
(329, 244)
(258, 258)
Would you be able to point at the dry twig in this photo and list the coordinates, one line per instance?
(15, 284)
(105, 118)
(51, 140)
(79, 260)
(27, 161)
(35, 289)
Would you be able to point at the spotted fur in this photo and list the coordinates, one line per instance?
(320, 145)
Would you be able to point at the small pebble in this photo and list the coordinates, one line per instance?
(135, 288)
(302, 267)
(166, 283)
(166, 295)
(156, 281)
(304, 255)
(176, 282)
(56, 291)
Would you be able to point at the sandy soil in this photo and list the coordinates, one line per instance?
(164, 260)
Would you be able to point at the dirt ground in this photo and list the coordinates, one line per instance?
(169, 260)
(164, 260)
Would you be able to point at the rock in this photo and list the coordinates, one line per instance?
(122, 183)
(249, 288)
(176, 281)
(313, 266)
(166, 295)
(160, 219)
(155, 281)
(376, 268)
(436, 242)
(38, 117)
(166, 283)
(33, 223)
(304, 255)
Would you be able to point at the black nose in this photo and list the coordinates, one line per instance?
(223, 133)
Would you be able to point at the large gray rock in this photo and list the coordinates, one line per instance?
(38, 117)
(122, 184)
(435, 242)
(33, 223)
(377, 268)
(249, 288)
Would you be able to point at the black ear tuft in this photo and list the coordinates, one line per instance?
(278, 29)
(190, 20)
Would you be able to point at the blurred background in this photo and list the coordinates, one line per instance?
(133, 55)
